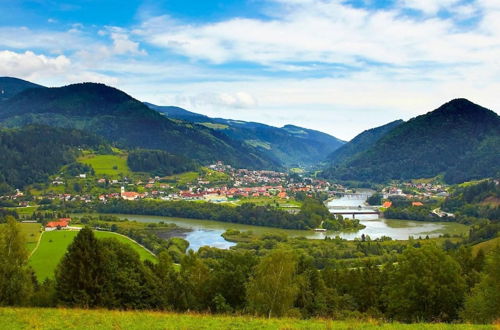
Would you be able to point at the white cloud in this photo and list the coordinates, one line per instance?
(330, 32)
(217, 100)
(29, 65)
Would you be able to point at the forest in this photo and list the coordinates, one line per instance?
(32, 153)
(159, 162)
(426, 283)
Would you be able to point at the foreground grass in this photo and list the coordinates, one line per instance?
(39, 318)
(53, 246)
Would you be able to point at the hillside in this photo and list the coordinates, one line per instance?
(361, 142)
(126, 122)
(11, 86)
(460, 139)
(291, 145)
(32, 153)
(60, 318)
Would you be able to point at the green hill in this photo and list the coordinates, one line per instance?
(53, 246)
(291, 145)
(460, 140)
(127, 123)
(360, 143)
(11, 86)
(60, 318)
(32, 153)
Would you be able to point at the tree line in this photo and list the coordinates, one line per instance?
(312, 212)
(425, 284)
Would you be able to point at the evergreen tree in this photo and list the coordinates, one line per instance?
(81, 276)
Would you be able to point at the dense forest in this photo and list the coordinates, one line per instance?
(426, 283)
(360, 143)
(159, 162)
(459, 139)
(33, 153)
(127, 123)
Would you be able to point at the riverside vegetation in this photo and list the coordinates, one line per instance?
(425, 282)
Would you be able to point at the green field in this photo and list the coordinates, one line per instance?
(486, 246)
(53, 246)
(111, 165)
(184, 178)
(32, 233)
(51, 318)
(214, 125)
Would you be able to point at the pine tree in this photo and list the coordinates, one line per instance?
(80, 277)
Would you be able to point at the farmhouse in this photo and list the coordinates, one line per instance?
(62, 223)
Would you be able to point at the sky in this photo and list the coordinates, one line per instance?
(338, 66)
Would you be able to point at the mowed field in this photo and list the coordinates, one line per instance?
(54, 244)
(38, 318)
(110, 165)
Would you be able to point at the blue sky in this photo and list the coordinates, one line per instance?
(332, 65)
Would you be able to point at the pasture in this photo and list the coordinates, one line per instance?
(53, 246)
(110, 165)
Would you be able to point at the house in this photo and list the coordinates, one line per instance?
(417, 204)
(282, 194)
(62, 223)
(387, 205)
(129, 195)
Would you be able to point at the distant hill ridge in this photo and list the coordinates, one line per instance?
(111, 113)
(291, 145)
(460, 139)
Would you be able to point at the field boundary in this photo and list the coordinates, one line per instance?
(130, 239)
(37, 243)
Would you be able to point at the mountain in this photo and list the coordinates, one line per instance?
(11, 86)
(291, 145)
(361, 142)
(460, 139)
(126, 122)
(177, 113)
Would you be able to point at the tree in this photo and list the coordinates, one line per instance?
(483, 304)
(273, 288)
(80, 277)
(425, 285)
(16, 284)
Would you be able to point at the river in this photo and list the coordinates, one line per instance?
(208, 233)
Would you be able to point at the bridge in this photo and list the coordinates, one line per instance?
(347, 210)
(363, 196)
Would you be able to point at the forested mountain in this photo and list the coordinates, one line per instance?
(126, 122)
(361, 142)
(32, 153)
(159, 162)
(291, 145)
(460, 140)
(11, 86)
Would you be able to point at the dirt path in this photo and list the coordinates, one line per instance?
(37, 244)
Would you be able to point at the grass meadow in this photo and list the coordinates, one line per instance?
(53, 246)
(39, 318)
(110, 165)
